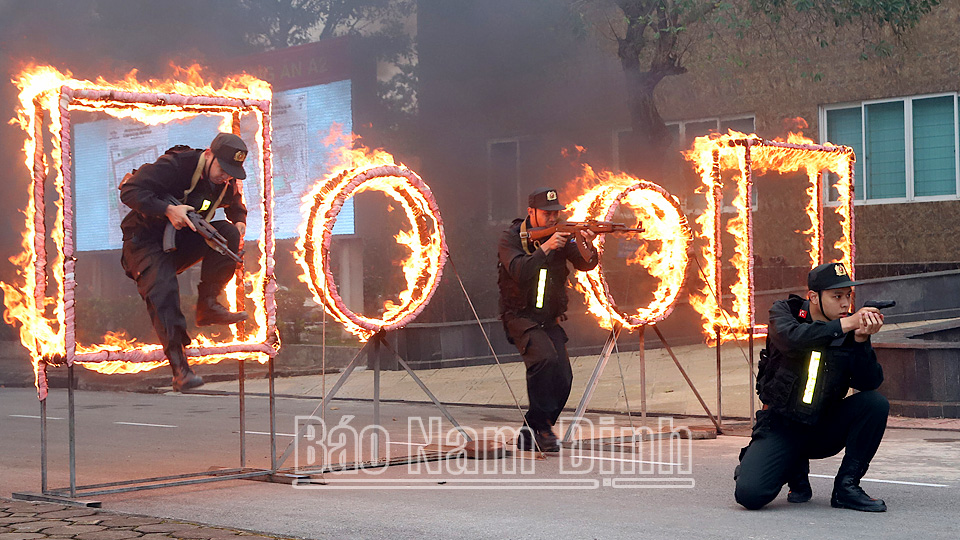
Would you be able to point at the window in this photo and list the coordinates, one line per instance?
(504, 178)
(684, 132)
(906, 148)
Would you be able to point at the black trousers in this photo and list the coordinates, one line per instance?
(549, 375)
(781, 447)
(156, 275)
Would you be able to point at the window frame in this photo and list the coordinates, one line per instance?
(909, 176)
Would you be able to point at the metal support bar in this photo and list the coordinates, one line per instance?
(687, 378)
(273, 418)
(241, 376)
(643, 377)
(323, 404)
(43, 442)
(592, 383)
(377, 340)
(719, 382)
(752, 388)
(433, 398)
(73, 432)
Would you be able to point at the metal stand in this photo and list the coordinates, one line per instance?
(75, 495)
(371, 350)
(602, 362)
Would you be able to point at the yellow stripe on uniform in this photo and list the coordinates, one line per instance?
(812, 370)
(541, 286)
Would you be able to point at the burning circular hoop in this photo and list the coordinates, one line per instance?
(426, 241)
(664, 221)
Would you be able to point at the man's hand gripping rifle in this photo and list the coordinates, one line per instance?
(577, 228)
(213, 237)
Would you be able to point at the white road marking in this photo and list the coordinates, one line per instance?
(267, 433)
(146, 425)
(602, 458)
(923, 484)
(34, 416)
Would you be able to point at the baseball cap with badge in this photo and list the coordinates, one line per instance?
(829, 276)
(230, 151)
(545, 199)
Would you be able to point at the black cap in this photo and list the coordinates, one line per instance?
(829, 276)
(545, 199)
(230, 151)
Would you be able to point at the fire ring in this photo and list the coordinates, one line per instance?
(422, 270)
(664, 220)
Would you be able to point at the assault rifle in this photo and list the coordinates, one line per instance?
(577, 228)
(213, 237)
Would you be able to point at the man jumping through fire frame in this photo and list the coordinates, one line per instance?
(203, 180)
(533, 302)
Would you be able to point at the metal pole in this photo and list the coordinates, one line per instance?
(643, 378)
(73, 435)
(689, 382)
(43, 443)
(376, 395)
(273, 420)
(243, 415)
(752, 388)
(592, 383)
(719, 383)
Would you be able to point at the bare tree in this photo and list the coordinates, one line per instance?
(656, 37)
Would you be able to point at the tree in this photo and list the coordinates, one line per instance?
(654, 39)
(379, 26)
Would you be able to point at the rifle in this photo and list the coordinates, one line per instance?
(213, 237)
(577, 228)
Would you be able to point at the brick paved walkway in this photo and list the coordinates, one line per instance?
(22, 520)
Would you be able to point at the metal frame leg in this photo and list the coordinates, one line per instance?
(377, 341)
(719, 383)
(643, 377)
(73, 432)
(43, 445)
(687, 378)
(241, 375)
(592, 383)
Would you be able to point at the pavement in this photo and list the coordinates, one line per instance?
(665, 488)
(123, 436)
(24, 520)
(667, 390)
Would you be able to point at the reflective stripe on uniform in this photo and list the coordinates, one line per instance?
(812, 370)
(541, 286)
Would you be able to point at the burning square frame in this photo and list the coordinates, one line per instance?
(71, 98)
(750, 153)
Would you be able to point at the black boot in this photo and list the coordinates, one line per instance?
(210, 312)
(799, 484)
(543, 440)
(847, 492)
(183, 377)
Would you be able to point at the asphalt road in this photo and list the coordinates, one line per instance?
(615, 492)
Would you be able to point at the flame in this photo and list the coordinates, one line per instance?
(748, 153)
(45, 95)
(662, 219)
(360, 169)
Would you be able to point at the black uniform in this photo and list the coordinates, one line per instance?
(530, 319)
(807, 417)
(143, 257)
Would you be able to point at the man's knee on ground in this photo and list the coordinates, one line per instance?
(753, 497)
